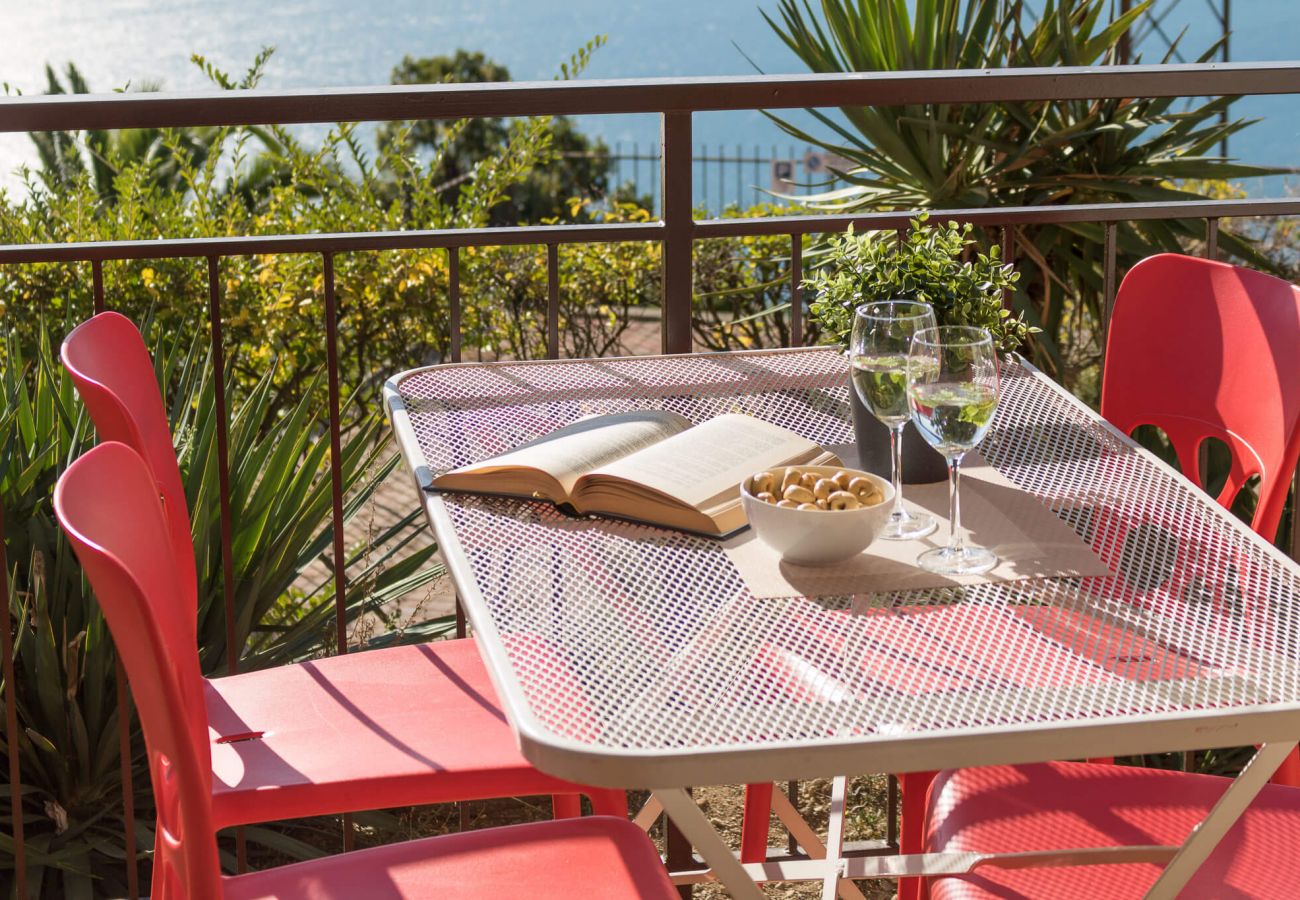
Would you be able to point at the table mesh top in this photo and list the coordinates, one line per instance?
(634, 637)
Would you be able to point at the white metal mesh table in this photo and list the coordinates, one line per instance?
(629, 655)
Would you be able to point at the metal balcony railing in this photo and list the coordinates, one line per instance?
(675, 101)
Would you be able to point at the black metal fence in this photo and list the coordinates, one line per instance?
(676, 174)
(724, 176)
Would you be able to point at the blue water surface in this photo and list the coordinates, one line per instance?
(345, 42)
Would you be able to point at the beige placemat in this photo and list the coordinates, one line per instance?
(1030, 541)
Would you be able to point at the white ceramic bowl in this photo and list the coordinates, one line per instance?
(818, 537)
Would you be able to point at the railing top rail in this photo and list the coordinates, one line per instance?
(330, 242)
(1076, 213)
(650, 95)
(539, 235)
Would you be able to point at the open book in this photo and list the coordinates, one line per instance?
(651, 466)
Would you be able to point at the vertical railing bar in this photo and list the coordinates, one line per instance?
(453, 295)
(722, 179)
(704, 173)
(223, 460)
(336, 457)
(336, 485)
(1295, 514)
(792, 793)
(11, 726)
(552, 301)
(97, 284)
(461, 626)
(740, 176)
(1203, 451)
(891, 810)
(654, 163)
(679, 231)
(128, 782)
(223, 496)
(1008, 241)
(796, 290)
(1109, 231)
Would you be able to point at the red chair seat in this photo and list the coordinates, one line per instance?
(1078, 805)
(595, 857)
(363, 731)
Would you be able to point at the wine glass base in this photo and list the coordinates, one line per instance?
(908, 526)
(966, 561)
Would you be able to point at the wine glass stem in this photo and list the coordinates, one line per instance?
(896, 458)
(954, 505)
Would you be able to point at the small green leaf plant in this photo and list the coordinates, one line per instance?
(937, 264)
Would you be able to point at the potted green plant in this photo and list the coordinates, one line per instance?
(937, 264)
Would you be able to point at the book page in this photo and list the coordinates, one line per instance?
(587, 444)
(711, 459)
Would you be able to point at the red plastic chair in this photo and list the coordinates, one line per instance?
(1053, 806)
(106, 504)
(1200, 349)
(392, 727)
(1203, 349)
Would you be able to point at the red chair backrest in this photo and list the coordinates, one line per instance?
(1203, 349)
(111, 367)
(107, 502)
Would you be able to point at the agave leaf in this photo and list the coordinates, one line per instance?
(1026, 153)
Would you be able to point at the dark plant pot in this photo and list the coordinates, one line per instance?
(921, 463)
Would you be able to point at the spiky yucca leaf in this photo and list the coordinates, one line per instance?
(1019, 153)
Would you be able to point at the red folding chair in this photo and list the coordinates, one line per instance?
(391, 727)
(1051, 806)
(107, 504)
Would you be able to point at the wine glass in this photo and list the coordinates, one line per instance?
(952, 387)
(882, 334)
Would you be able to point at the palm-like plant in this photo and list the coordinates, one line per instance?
(169, 155)
(1022, 153)
(99, 155)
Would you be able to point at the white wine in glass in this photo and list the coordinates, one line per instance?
(952, 388)
(878, 357)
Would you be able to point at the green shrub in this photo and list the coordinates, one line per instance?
(393, 313)
(742, 287)
(931, 263)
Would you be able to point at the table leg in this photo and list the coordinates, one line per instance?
(808, 840)
(681, 808)
(835, 884)
(649, 813)
(1206, 836)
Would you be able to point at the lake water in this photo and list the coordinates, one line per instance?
(344, 42)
